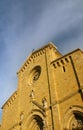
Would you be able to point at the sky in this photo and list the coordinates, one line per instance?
(29, 24)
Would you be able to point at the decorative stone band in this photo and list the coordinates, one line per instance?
(64, 99)
(63, 60)
(10, 100)
(36, 54)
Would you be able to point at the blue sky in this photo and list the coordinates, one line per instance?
(28, 24)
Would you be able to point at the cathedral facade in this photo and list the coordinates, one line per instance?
(49, 95)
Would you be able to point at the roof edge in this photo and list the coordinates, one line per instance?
(50, 44)
(9, 99)
(78, 49)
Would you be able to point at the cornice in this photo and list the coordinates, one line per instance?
(35, 54)
(10, 100)
(64, 59)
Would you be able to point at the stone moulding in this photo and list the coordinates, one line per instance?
(35, 116)
(35, 54)
(64, 59)
(10, 100)
(61, 62)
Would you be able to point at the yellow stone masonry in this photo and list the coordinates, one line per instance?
(49, 95)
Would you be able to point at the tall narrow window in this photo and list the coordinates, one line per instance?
(64, 69)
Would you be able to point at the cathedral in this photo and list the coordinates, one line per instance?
(49, 93)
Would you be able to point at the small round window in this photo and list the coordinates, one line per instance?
(35, 74)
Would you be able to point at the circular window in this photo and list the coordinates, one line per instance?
(35, 74)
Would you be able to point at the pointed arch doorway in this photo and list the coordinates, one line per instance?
(36, 123)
